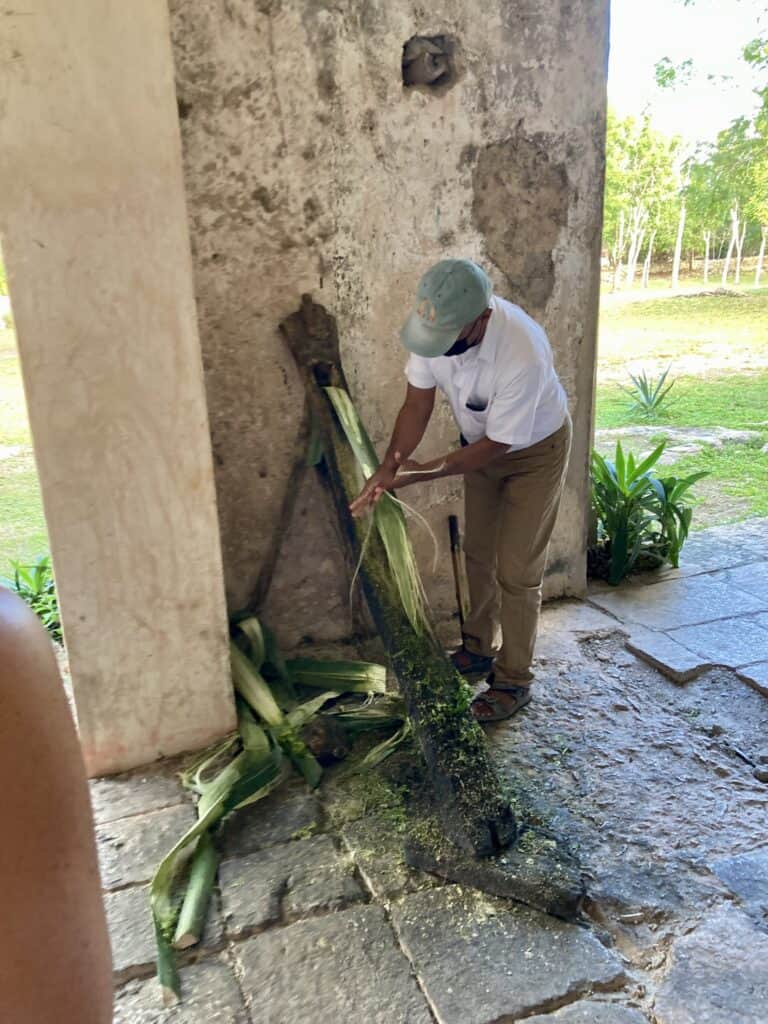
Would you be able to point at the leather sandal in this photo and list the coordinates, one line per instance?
(470, 664)
(500, 702)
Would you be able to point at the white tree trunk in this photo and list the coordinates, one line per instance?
(618, 255)
(761, 254)
(707, 238)
(648, 260)
(732, 243)
(739, 247)
(678, 248)
(638, 220)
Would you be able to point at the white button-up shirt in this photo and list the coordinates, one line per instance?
(505, 388)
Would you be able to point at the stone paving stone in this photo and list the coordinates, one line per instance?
(130, 849)
(377, 850)
(667, 655)
(731, 642)
(746, 875)
(518, 960)
(136, 793)
(756, 675)
(210, 995)
(279, 817)
(132, 934)
(345, 968)
(591, 1013)
(286, 881)
(678, 603)
(751, 578)
(718, 974)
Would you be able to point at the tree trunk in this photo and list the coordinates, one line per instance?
(691, 257)
(739, 249)
(678, 248)
(707, 238)
(467, 792)
(731, 244)
(648, 260)
(638, 218)
(618, 251)
(761, 255)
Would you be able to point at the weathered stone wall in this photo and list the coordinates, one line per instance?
(309, 167)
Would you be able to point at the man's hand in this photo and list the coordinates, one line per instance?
(382, 481)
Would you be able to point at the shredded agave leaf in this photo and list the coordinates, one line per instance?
(388, 517)
(339, 676)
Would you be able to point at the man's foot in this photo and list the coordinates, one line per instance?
(499, 701)
(469, 664)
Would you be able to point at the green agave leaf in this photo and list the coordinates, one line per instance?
(253, 688)
(339, 676)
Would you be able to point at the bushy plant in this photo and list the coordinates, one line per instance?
(649, 395)
(35, 585)
(642, 519)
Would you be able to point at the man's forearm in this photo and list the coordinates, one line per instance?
(408, 431)
(457, 463)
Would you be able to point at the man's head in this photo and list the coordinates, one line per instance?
(451, 296)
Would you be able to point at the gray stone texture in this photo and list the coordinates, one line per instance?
(718, 974)
(756, 675)
(345, 968)
(679, 602)
(130, 849)
(732, 641)
(590, 1012)
(283, 883)
(210, 995)
(746, 875)
(315, 179)
(132, 934)
(518, 960)
(287, 813)
(667, 655)
(377, 850)
(121, 796)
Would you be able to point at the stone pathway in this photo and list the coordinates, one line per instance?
(318, 917)
(713, 611)
(681, 441)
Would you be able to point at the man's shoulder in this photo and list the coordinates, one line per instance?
(521, 338)
(515, 317)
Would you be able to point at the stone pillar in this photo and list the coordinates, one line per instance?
(94, 232)
(312, 166)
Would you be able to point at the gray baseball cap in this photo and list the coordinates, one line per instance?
(450, 295)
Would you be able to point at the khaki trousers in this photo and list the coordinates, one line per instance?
(510, 509)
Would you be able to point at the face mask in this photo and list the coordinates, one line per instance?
(458, 348)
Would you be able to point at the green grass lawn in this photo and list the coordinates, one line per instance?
(23, 534)
(707, 340)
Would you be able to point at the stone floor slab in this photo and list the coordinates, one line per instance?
(132, 934)
(590, 1012)
(667, 655)
(377, 850)
(518, 960)
(285, 882)
(752, 578)
(285, 814)
(756, 675)
(135, 793)
(681, 602)
(718, 974)
(345, 968)
(210, 995)
(730, 642)
(746, 875)
(131, 849)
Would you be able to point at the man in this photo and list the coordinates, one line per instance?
(494, 364)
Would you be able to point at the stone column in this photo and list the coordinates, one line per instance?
(94, 231)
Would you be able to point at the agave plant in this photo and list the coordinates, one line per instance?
(248, 765)
(648, 394)
(640, 517)
(35, 585)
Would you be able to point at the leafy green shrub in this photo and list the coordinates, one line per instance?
(35, 584)
(642, 520)
(648, 394)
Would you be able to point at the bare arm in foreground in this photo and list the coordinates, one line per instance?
(54, 949)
